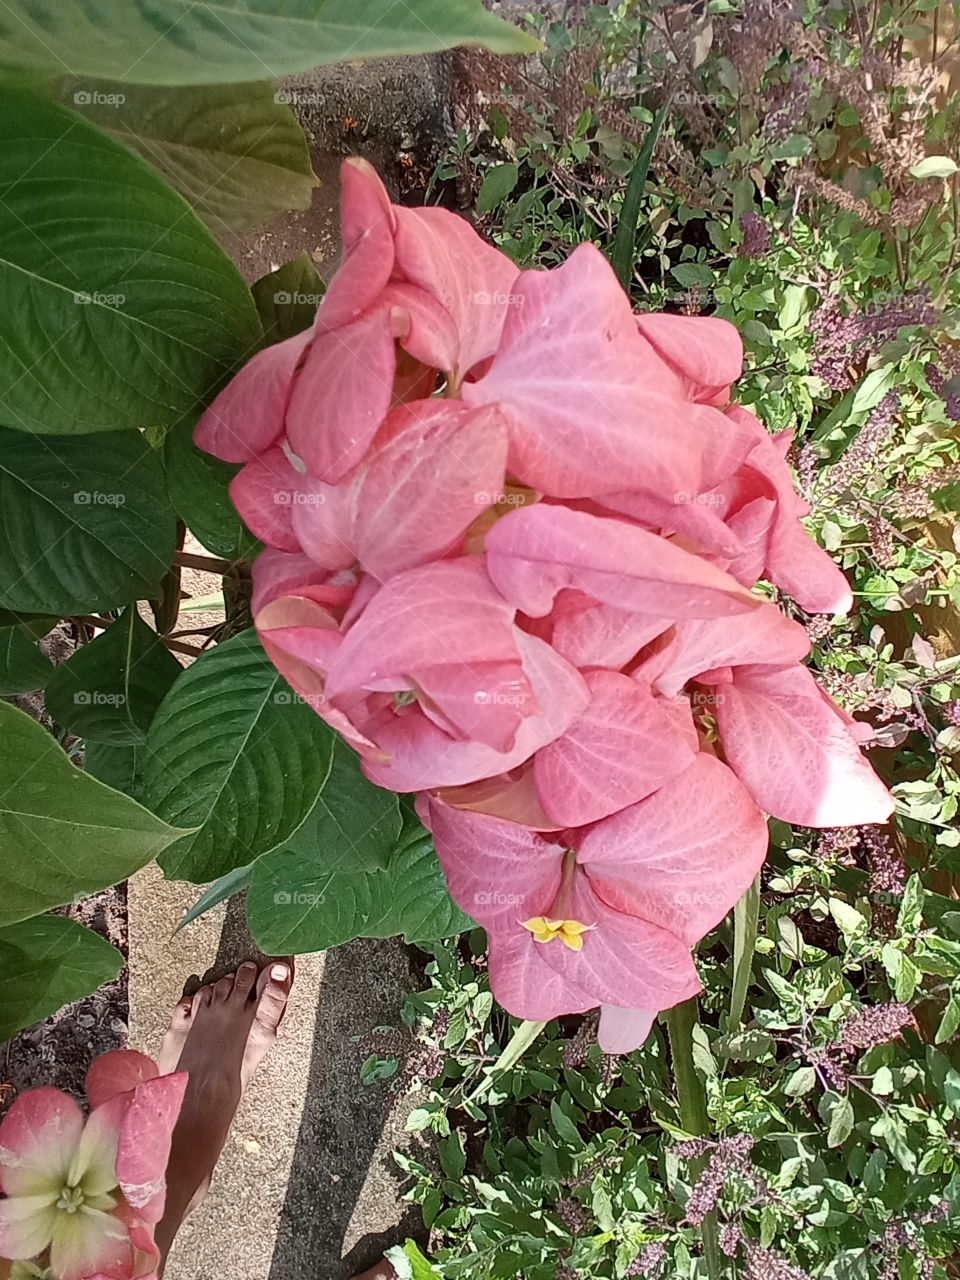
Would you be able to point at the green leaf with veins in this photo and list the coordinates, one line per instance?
(233, 753)
(109, 690)
(135, 322)
(64, 834)
(82, 527)
(46, 963)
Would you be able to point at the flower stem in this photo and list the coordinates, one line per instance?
(694, 1118)
(746, 918)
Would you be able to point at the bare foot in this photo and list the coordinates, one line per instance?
(222, 1034)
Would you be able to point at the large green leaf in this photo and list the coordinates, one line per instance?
(82, 526)
(109, 690)
(235, 754)
(184, 42)
(116, 766)
(295, 904)
(46, 963)
(287, 299)
(22, 666)
(63, 835)
(354, 826)
(235, 152)
(120, 309)
(198, 486)
(413, 896)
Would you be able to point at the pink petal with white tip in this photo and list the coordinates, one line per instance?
(39, 1137)
(143, 1151)
(792, 749)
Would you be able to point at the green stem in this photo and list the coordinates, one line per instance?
(746, 919)
(694, 1117)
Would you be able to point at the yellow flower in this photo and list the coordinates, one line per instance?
(570, 932)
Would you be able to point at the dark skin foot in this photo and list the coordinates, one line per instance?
(219, 1036)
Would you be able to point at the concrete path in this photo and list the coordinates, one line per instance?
(306, 1188)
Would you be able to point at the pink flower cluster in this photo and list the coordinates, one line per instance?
(82, 1195)
(513, 531)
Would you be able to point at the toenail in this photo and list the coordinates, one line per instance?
(279, 972)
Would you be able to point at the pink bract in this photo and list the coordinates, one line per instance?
(85, 1193)
(513, 536)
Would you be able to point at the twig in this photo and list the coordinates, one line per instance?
(209, 564)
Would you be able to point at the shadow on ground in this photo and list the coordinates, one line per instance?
(341, 1166)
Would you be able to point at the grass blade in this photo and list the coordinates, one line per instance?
(621, 256)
